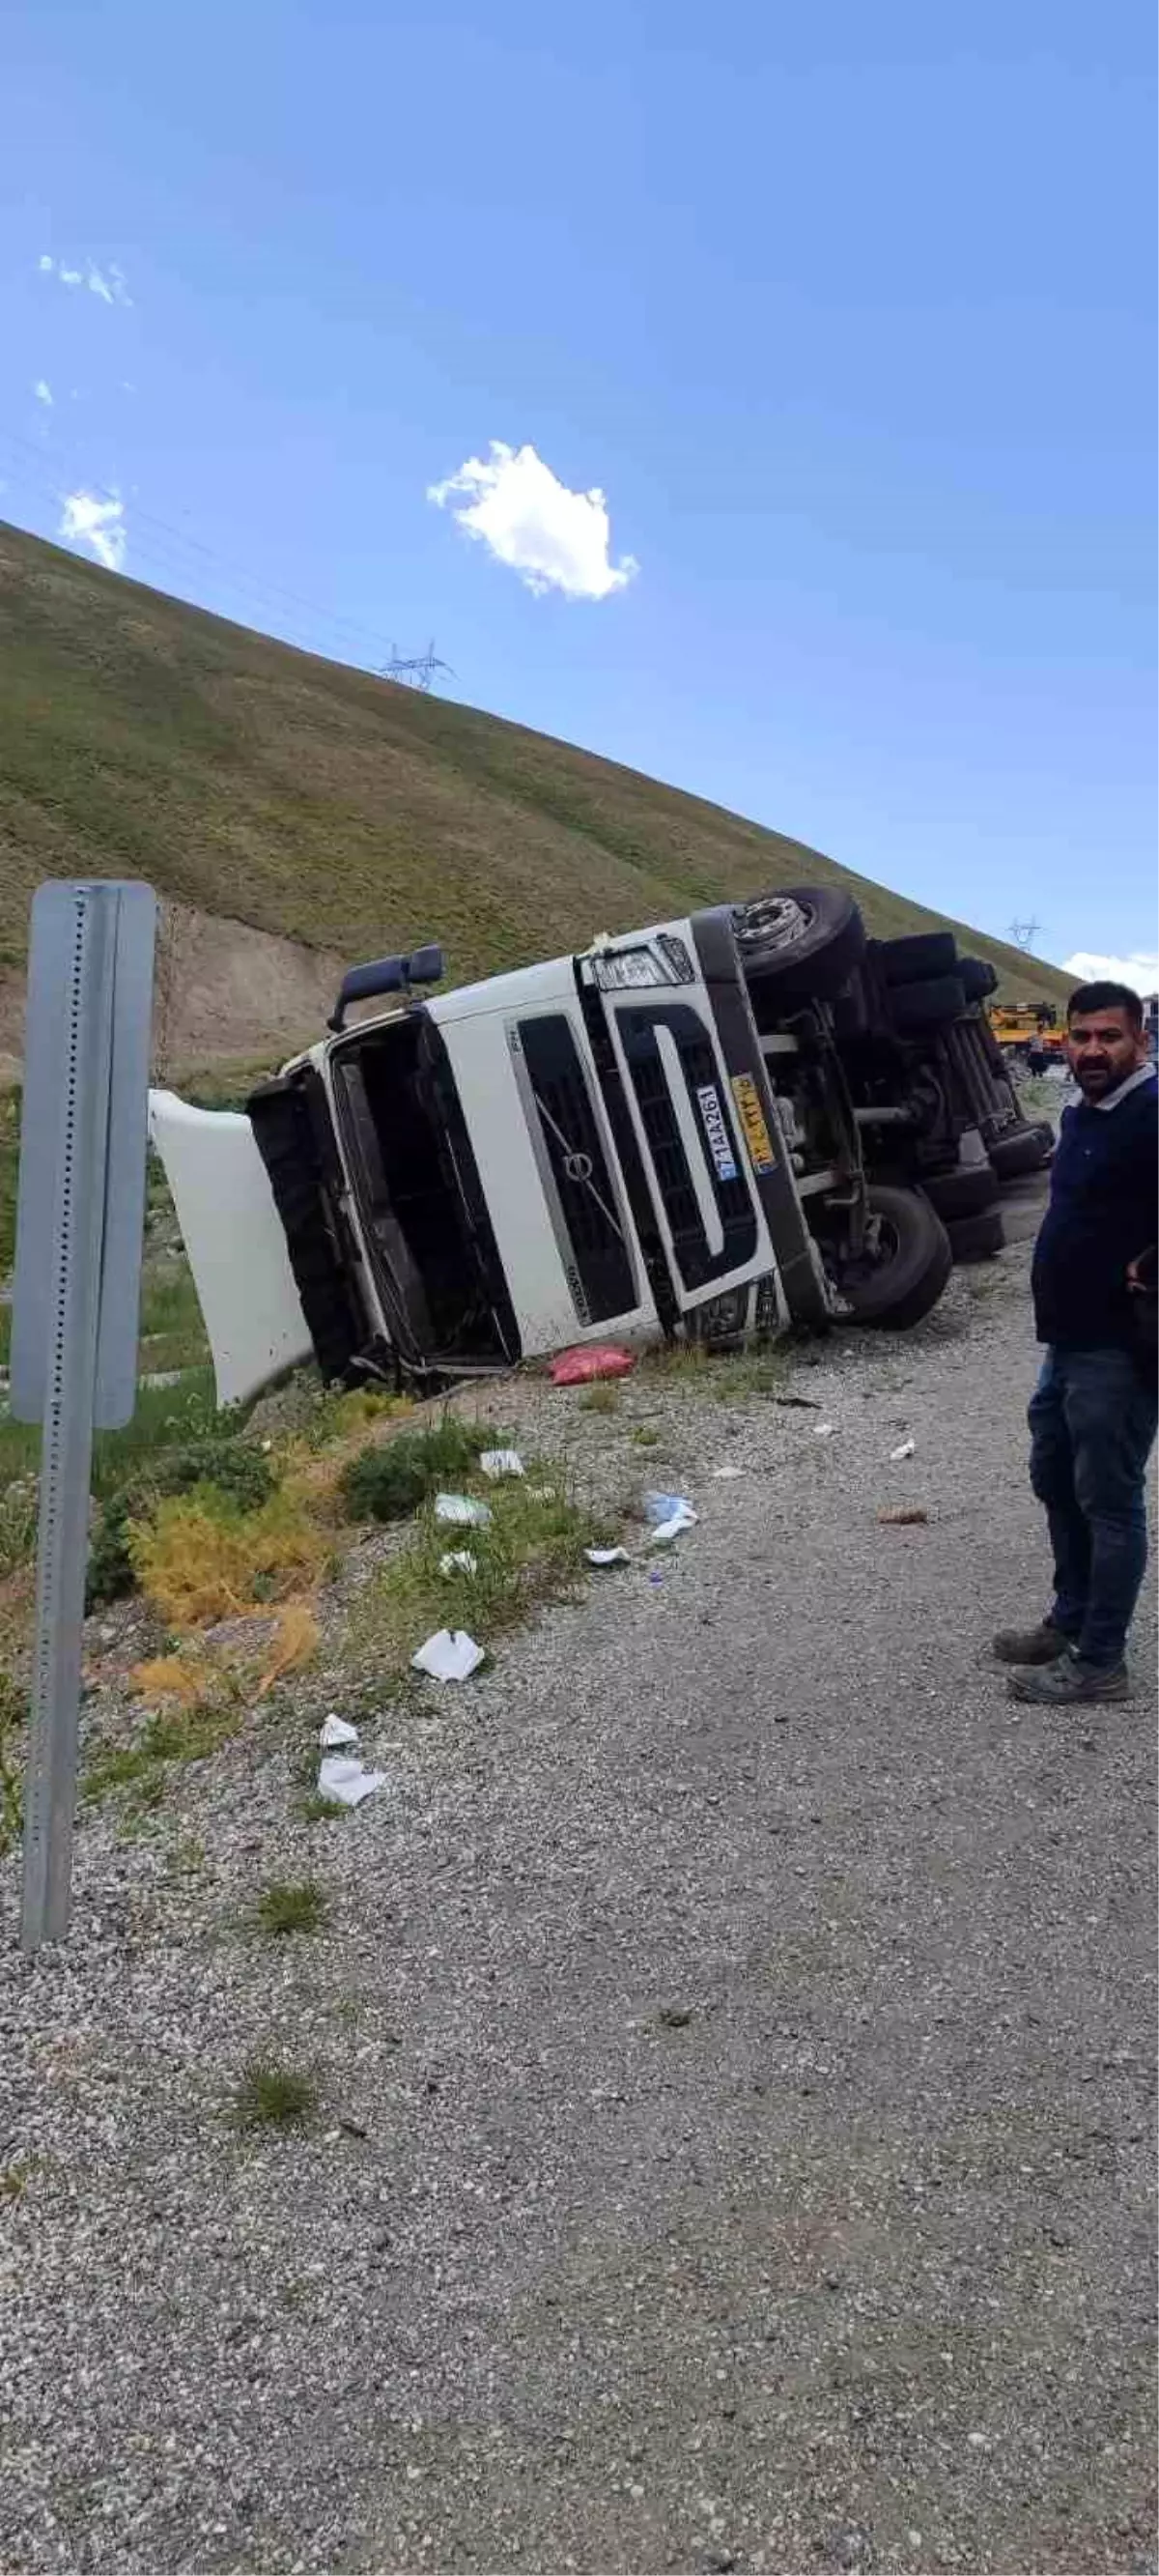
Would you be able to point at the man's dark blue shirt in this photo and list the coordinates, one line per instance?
(1102, 1215)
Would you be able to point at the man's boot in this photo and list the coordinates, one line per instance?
(1071, 1683)
(1041, 1645)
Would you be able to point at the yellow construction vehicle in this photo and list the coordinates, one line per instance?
(1026, 1029)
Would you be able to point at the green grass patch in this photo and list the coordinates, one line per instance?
(395, 1477)
(531, 1553)
(273, 2096)
(172, 1331)
(314, 1809)
(286, 1906)
(600, 1399)
(221, 1464)
(169, 1736)
(13, 1725)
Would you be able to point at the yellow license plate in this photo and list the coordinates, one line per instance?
(752, 1119)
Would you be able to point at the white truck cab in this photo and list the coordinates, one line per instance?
(600, 1146)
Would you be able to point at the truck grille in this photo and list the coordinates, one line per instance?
(696, 1261)
(594, 1251)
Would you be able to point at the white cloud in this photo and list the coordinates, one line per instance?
(87, 521)
(554, 539)
(1140, 970)
(109, 284)
(43, 392)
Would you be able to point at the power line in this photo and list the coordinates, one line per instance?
(260, 589)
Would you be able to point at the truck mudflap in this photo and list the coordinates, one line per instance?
(235, 1244)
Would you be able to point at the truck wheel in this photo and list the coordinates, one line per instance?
(1022, 1149)
(967, 1192)
(915, 960)
(977, 977)
(805, 942)
(928, 1005)
(906, 1276)
(977, 1238)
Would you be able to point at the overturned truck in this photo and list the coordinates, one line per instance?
(665, 1134)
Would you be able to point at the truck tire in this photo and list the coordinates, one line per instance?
(804, 942)
(917, 959)
(927, 1005)
(968, 1191)
(977, 977)
(976, 1238)
(1026, 1148)
(907, 1280)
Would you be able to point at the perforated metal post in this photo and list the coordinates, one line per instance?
(75, 1301)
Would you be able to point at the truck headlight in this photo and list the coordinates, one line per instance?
(629, 969)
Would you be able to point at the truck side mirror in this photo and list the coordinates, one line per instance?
(360, 983)
(385, 975)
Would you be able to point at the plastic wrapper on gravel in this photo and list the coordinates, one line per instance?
(602, 1359)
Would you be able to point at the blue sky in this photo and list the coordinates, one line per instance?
(846, 310)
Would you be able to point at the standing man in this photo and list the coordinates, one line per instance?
(1093, 1412)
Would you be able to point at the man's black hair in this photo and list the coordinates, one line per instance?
(1105, 997)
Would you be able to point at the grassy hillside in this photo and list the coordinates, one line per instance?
(142, 737)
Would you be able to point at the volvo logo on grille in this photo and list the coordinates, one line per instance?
(577, 1166)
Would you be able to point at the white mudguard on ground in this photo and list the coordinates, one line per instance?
(234, 1241)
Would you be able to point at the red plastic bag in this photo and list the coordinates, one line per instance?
(598, 1359)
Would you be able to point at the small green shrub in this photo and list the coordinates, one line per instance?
(233, 1467)
(387, 1482)
(271, 2096)
(13, 1720)
(291, 1906)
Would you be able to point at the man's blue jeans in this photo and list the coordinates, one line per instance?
(1092, 1421)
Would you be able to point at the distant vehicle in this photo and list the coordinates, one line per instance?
(1030, 1030)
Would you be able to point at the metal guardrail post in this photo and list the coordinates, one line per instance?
(80, 1217)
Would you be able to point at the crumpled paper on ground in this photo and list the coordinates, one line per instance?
(501, 1462)
(463, 1509)
(336, 1731)
(449, 1656)
(345, 1778)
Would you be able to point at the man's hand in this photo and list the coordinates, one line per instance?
(1144, 1263)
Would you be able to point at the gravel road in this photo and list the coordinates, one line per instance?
(734, 2040)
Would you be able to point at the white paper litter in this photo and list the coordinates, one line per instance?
(463, 1509)
(458, 1560)
(607, 1556)
(335, 1731)
(449, 1656)
(665, 1531)
(824, 1430)
(542, 1494)
(904, 1449)
(347, 1779)
(721, 1472)
(501, 1462)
